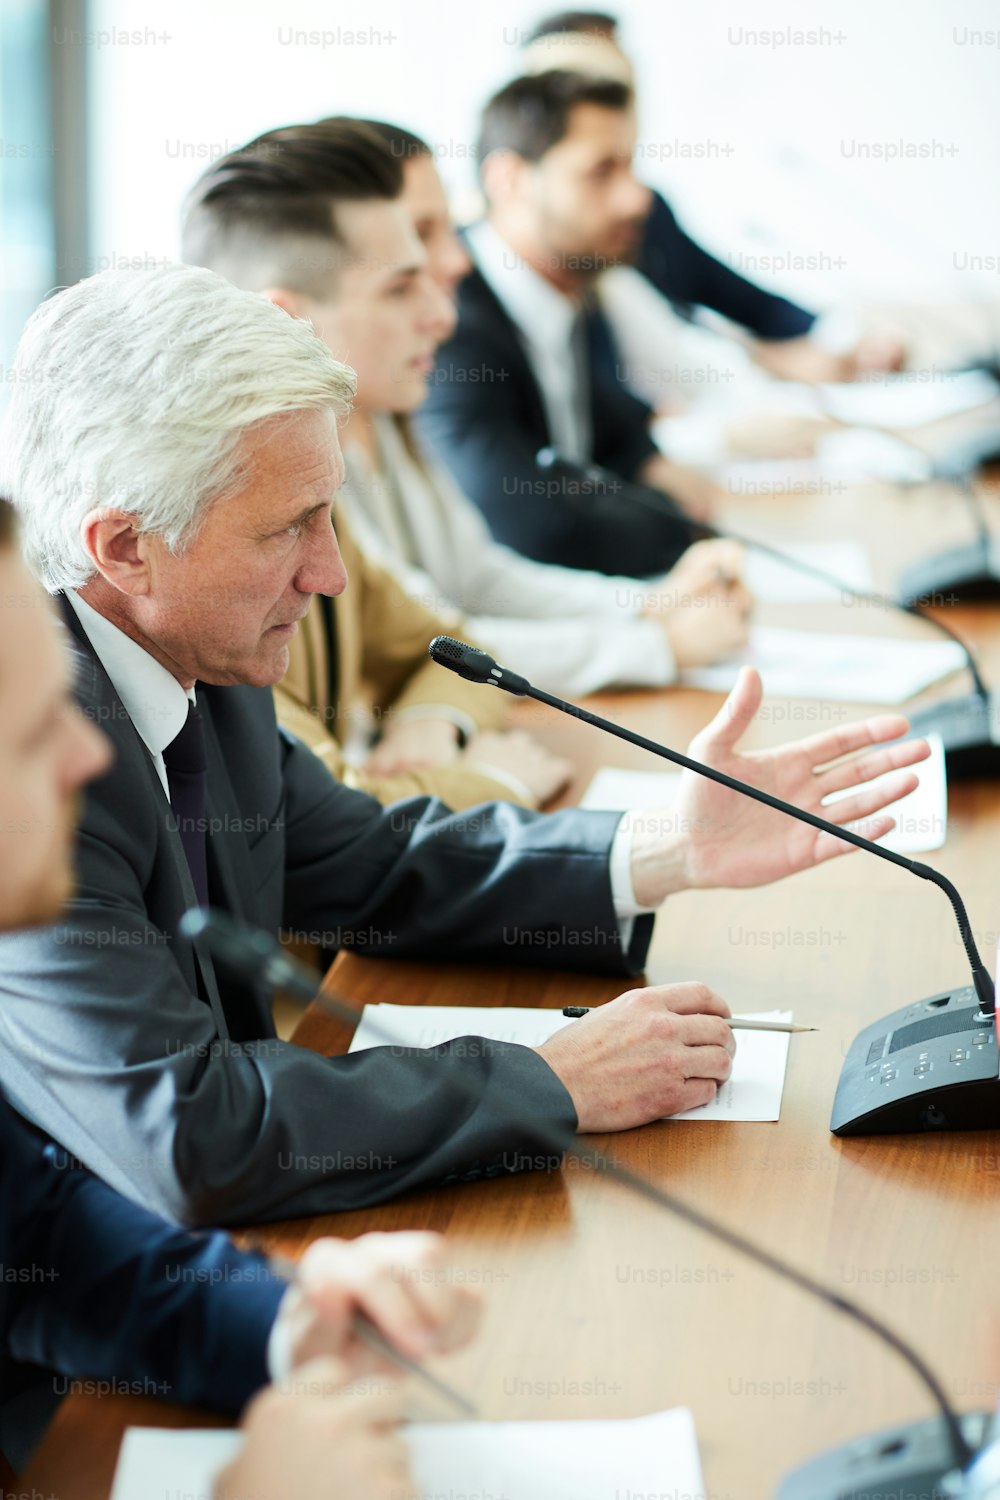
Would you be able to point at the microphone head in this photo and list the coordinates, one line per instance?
(250, 952)
(235, 944)
(194, 923)
(467, 661)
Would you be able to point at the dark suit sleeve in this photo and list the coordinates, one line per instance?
(690, 277)
(106, 1047)
(483, 431)
(99, 1288)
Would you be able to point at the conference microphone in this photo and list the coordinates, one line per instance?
(970, 572)
(968, 726)
(932, 1065)
(948, 1442)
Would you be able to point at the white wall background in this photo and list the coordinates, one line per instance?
(779, 128)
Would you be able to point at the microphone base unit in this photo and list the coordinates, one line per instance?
(930, 1066)
(969, 727)
(908, 1462)
(958, 576)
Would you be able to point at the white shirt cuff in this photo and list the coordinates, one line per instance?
(622, 889)
(505, 778)
(463, 722)
(697, 438)
(836, 331)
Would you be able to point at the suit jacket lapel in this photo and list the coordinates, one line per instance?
(478, 290)
(95, 687)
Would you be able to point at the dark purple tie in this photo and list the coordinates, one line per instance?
(187, 777)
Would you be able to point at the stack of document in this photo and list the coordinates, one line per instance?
(598, 1460)
(753, 1091)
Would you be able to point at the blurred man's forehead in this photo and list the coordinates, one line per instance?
(379, 239)
(596, 126)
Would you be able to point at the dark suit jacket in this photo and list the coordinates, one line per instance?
(109, 1037)
(689, 277)
(94, 1288)
(486, 421)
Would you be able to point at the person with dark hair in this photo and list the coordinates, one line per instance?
(525, 370)
(577, 23)
(787, 340)
(96, 1288)
(579, 631)
(281, 210)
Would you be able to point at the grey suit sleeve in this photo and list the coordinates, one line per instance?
(122, 1065)
(104, 1045)
(496, 882)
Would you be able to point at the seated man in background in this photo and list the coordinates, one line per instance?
(576, 632)
(187, 522)
(786, 340)
(97, 1288)
(527, 368)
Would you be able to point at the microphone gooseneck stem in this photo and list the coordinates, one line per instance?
(980, 975)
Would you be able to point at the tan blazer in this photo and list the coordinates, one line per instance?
(381, 643)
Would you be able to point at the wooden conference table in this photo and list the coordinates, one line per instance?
(597, 1306)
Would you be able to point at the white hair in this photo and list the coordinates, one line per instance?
(134, 391)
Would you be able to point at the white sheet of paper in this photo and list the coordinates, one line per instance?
(171, 1461)
(598, 1460)
(771, 582)
(845, 456)
(838, 668)
(615, 790)
(753, 1092)
(921, 818)
(904, 400)
(852, 455)
(386, 1024)
(595, 1460)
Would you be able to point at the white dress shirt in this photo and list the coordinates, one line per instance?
(151, 696)
(546, 320)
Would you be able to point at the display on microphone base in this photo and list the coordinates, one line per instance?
(908, 1462)
(928, 1066)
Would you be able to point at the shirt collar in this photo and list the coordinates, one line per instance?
(151, 696)
(542, 314)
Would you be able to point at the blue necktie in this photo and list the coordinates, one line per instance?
(187, 777)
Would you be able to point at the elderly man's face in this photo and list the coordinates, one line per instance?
(47, 752)
(226, 608)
